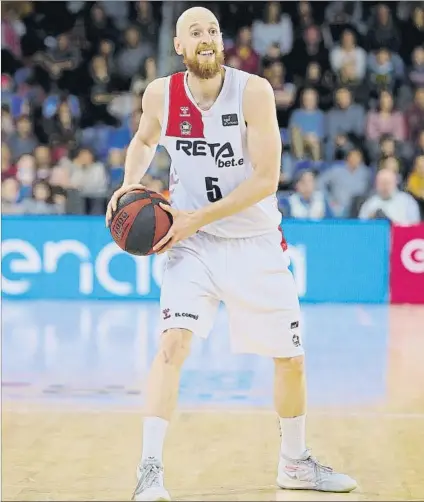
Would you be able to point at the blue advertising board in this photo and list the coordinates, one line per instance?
(68, 257)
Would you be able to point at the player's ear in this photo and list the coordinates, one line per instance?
(177, 46)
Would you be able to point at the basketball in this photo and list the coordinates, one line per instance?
(139, 223)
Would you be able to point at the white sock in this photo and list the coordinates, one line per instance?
(293, 444)
(154, 430)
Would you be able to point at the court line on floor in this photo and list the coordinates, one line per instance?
(7, 407)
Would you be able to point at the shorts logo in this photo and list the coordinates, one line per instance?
(166, 314)
(184, 111)
(184, 314)
(295, 339)
(185, 128)
(294, 325)
(230, 120)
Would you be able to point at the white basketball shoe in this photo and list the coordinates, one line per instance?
(150, 482)
(307, 473)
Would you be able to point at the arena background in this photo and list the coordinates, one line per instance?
(79, 316)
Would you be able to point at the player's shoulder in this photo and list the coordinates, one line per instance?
(153, 97)
(156, 88)
(258, 98)
(257, 87)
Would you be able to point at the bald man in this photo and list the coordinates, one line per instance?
(220, 128)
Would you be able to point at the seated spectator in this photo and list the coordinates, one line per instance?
(321, 83)
(115, 167)
(40, 200)
(308, 49)
(385, 121)
(26, 175)
(276, 28)
(345, 125)
(62, 128)
(382, 30)
(90, 179)
(390, 149)
(415, 183)
(99, 27)
(284, 92)
(307, 202)
(10, 196)
(59, 199)
(23, 141)
(341, 183)
(414, 27)
(416, 71)
(346, 77)
(419, 145)
(304, 17)
(348, 53)
(307, 127)
(383, 73)
(43, 162)
(148, 74)
(7, 124)
(102, 93)
(340, 15)
(247, 59)
(389, 202)
(415, 116)
(8, 170)
(146, 22)
(130, 59)
(107, 51)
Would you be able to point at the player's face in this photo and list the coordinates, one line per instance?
(202, 48)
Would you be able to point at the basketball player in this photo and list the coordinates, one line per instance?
(220, 128)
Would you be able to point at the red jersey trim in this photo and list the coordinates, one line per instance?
(283, 244)
(184, 119)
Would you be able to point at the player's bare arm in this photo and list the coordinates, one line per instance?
(264, 147)
(142, 147)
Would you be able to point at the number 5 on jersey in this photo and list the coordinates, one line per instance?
(212, 189)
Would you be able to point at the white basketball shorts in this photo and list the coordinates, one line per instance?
(250, 276)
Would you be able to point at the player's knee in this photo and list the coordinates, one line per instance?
(294, 365)
(175, 346)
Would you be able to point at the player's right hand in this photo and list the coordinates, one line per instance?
(111, 207)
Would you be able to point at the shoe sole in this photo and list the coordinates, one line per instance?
(346, 490)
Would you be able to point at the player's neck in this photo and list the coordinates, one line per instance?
(205, 91)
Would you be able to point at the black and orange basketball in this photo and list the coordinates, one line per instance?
(139, 223)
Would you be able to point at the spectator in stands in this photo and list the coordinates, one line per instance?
(419, 146)
(416, 71)
(307, 127)
(415, 184)
(389, 202)
(9, 197)
(341, 183)
(26, 175)
(415, 32)
(99, 27)
(130, 59)
(304, 17)
(383, 73)
(146, 22)
(12, 29)
(284, 92)
(307, 202)
(347, 78)
(415, 116)
(385, 121)
(341, 15)
(107, 51)
(309, 49)
(40, 200)
(102, 93)
(382, 31)
(23, 141)
(247, 59)
(348, 53)
(276, 29)
(118, 12)
(389, 149)
(345, 124)
(8, 170)
(62, 128)
(115, 168)
(7, 125)
(43, 162)
(90, 179)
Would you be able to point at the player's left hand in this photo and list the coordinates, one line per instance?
(185, 224)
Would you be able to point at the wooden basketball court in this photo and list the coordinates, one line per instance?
(53, 453)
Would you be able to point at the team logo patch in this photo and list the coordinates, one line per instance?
(184, 111)
(296, 340)
(185, 128)
(230, 120)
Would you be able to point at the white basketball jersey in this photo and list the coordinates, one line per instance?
(209, 155)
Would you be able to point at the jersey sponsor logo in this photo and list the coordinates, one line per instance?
(184, 111)
(186, 314)
(230, 120)
(222, 154)
(185, 128)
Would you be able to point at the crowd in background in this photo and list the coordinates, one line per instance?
(348, 78)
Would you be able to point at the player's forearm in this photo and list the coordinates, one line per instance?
(248, 193)
(138, 159)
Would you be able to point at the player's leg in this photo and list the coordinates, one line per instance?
(188, 305)
(264, 315)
